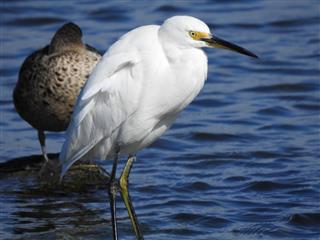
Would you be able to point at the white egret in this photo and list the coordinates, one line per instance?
(135, 93)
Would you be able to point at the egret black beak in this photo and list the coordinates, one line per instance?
(220, 43)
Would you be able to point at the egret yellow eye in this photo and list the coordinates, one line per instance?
(193, 34)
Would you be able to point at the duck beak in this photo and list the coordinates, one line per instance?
(216, 42)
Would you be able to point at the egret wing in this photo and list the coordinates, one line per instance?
(108, 98)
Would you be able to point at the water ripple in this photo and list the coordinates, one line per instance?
(287, 87)
(295, 22)
(169, 9)
(35, 21)
(305, 219)
(275, 111)
(267, 186)
(115, 13)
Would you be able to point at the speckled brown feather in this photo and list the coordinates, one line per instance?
(50, 80)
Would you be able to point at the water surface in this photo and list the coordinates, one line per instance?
(242, 161)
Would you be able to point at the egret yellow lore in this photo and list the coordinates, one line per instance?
(135, 93)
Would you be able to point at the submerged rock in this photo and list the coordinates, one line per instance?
(80, 177)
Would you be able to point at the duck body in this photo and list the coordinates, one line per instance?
(49, 84)
(50, 80)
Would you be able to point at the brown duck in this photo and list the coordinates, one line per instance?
(50, 80)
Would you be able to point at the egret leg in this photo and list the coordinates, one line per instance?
(126, 197)
(112, 191)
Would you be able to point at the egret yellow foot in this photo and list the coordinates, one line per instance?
(122, 185)
(126, 197)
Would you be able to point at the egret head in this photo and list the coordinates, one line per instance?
(191, 32)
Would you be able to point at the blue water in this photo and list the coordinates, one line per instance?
(241, 162)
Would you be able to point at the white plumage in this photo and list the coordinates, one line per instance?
(135, 92)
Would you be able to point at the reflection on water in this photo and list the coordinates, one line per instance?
(241, 161)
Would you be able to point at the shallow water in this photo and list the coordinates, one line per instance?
(242, 161)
